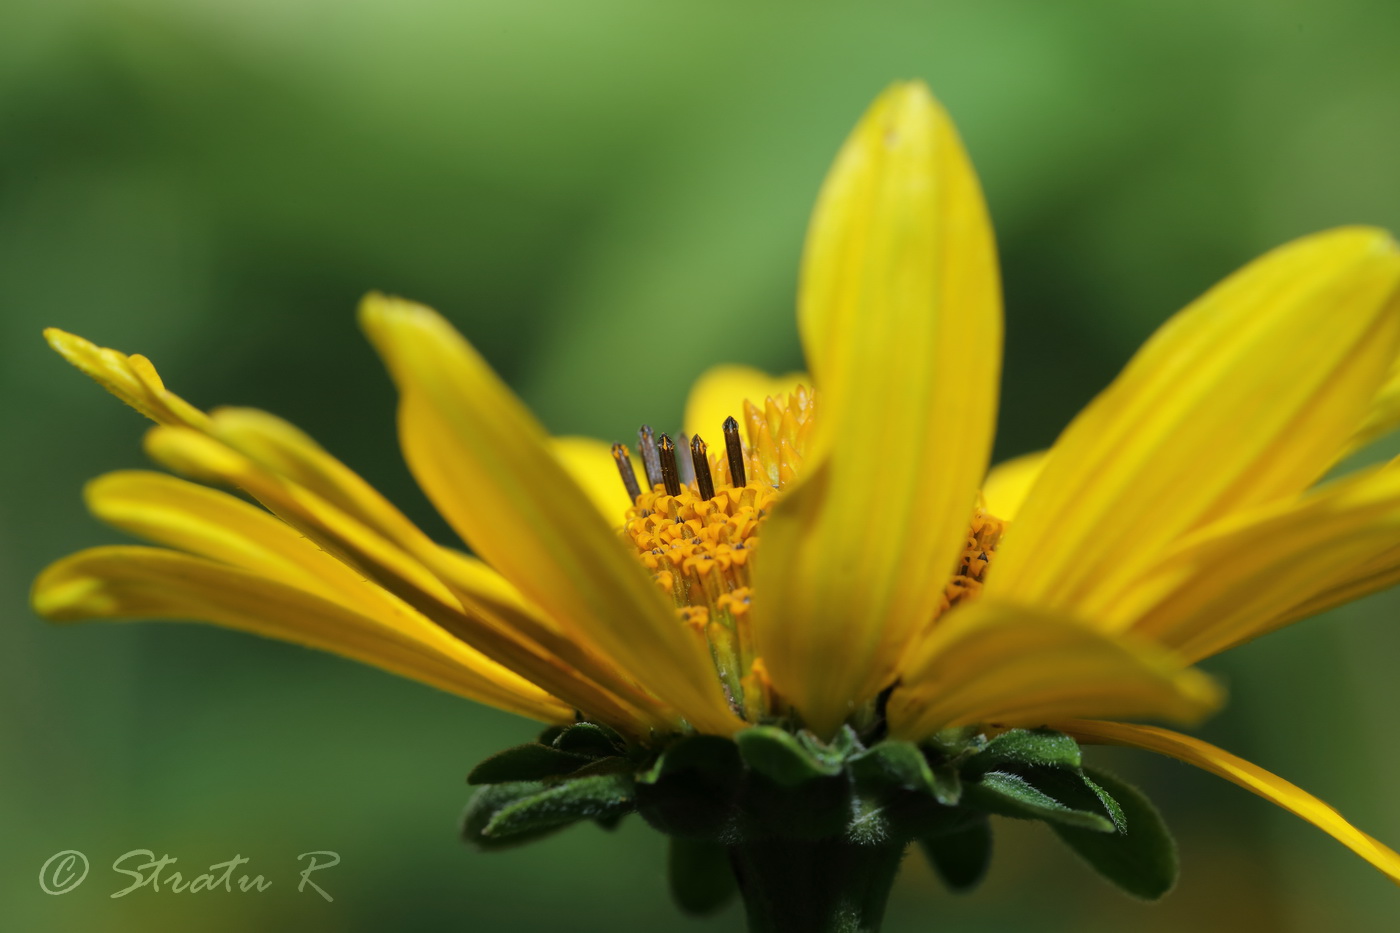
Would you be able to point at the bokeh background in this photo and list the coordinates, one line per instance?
(607, 197)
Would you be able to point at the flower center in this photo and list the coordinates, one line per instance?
(695, 525)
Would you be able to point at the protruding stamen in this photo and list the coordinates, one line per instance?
(703, 481)
(687, 469)
(670, 476)
(626, 471)
(735, 449)
(651, 460)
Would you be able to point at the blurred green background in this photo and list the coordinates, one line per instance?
(607, 197)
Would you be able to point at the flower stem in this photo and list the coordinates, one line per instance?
(814, 886)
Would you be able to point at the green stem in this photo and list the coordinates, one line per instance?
(822, 886)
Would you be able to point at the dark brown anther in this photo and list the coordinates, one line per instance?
(666, 449)
(735, 449)
(624, 468)
(651, 460)
(703, 481)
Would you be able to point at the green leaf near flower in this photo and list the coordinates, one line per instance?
(780, 757)
(1025, 748)
(1140, 858)
(526, 810)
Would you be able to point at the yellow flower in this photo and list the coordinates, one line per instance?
(854, 559)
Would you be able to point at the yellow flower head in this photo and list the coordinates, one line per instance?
(818, 550)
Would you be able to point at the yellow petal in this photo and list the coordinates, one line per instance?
(991, 662)
(1249, 776)
(328, 502)
(1382, 417)
(285, 451)
(900, 315)
(1238, 579)
(140, 582)
(1009, 482)
(485, 463)
(213, 524)
(1242, 399)
(310, 488)
(221, 527)
(590, 462)
(721, 391)
(1381, 571)
(474, 609)
(130, 378)
(207, 459)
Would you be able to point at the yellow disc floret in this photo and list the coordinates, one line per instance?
(695, 524)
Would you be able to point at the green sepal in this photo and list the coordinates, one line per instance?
(703, 754)
(591, 739)
(1110, 803)
(691, 789)
(508, 813)
(781, 758)
(1140, 858)
(614, 765)
(899, 796)
(894, 763)
(700, 876)
(956, 744)
(834, 753)
(961, 855)
(947, 785)
(490, 800)
(793, 786)
(529, 762)
(1020, 749)
(1013, 795)
(845, 743)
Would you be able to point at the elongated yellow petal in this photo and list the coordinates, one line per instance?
(130, 378)
(293, 457)
(1381, 571)
(486, 464)
(258, 449)
(270, 446)
(491, 620)
(205, 458)
(900, 314)
(141, 582)
(285, 451)
(1249, 776)
(297, 461)
(721, 391)
(216, 525)
(1234, 581)
(282, 457)
(1243, 399)
(280, 460)
(213, 524)
(1382, 417)
(325, 500)
(1011, 665)
(1009, 482)
(590, 462)
(221, 527)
